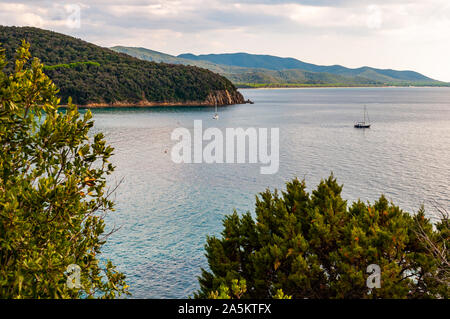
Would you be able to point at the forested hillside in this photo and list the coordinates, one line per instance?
(93, 75)
(251, 70)
(278, 64)
(244, 76)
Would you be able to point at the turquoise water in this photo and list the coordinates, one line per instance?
(166, 210)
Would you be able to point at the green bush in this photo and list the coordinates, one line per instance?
(314, 246)
(52, 191)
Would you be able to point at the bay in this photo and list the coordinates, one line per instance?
(166, 210)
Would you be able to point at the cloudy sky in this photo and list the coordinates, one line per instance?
(398, 34)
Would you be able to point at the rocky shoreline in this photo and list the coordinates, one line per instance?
(222, 98)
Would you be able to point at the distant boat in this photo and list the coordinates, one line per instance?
(364, 124)
(216, 115)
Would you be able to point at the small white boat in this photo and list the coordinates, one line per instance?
(216, 115)
(363, 124)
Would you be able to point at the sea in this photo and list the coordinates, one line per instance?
(165, 210)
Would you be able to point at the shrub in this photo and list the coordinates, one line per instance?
(304, 245)
(52, 192)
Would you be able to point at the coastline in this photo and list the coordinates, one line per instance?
(147, 104)
(340, 87)
(220, 97)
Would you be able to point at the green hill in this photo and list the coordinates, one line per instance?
(248, 70)
(244, 76)
(276, 63)
(155, 56)
(93, 75)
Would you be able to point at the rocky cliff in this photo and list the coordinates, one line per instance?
(222, 97)
(225, 97)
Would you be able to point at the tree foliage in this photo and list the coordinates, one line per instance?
(70, 65)
(53, 194)
(314, 246)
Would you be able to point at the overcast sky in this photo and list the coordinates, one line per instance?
(398, 34)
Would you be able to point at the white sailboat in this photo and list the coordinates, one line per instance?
(216, 115)
(364, 124)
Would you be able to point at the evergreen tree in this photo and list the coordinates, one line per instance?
(304, 245)
(53, 193)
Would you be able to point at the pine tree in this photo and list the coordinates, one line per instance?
(304, 245)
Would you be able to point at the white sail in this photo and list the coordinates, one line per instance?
(216, 115)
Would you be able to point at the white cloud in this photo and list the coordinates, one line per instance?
(402, 34)
(375, 17)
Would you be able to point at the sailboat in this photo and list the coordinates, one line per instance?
(216, 115)
(364, 124)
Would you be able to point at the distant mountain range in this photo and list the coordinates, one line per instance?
(245, 69)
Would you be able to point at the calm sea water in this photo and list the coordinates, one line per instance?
(166, 210)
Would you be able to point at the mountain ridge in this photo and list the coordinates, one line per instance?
(279, 76)
(271, 62)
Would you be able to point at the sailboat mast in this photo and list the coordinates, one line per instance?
(364, 114)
